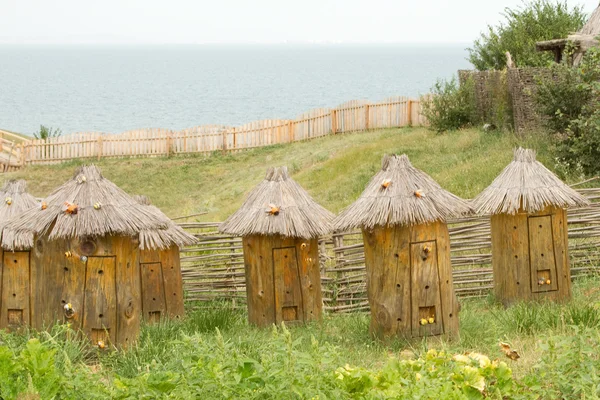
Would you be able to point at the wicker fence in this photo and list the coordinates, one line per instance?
(214, 269)
(356, 115)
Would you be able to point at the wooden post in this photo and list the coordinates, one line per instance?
(409, 111)
(99, 147)
(169, 143)
(224, 133)
(291, 131)
(234, 139)
(333, 121)
(22, 154)
(366, 117)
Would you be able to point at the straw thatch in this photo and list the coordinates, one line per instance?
(401, 194)
(525, 184)
(162, 238)
(102, 208)
(279, 206)
(14, 200)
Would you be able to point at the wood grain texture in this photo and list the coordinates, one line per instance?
(15, 290)
(529, 248)
(282, 279)
(409, 278)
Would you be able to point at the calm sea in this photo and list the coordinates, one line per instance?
(113, 89)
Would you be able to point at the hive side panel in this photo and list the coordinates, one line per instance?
(561, 254)
(100, 303)
(449, 311)
(288, 300)
(129, 307)
(541, 254)
(153, 292)
(310, 278)
(72, 291)
(171, 266)
(259, 281)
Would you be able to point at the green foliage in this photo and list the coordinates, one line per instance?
(451, 106)
(569, 98)
(569, 367)
(534, 21)
(47, 132)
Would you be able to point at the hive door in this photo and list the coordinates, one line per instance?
(14, 288)
(425, 290)
(286, 279)
(542, 260)
(153, 292)
(100, 300)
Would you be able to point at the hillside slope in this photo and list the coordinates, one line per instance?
(333, 169)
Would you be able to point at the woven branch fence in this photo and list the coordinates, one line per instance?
(355, 115)
(214, 269)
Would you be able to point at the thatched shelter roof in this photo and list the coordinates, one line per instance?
(279, 206)
(582, 39)
(14, 200)
(163, 238)
(401, 194)
(88, 205)
(525, 184)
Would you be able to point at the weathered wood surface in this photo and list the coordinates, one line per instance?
(530, 256)
(283, 279)
(355, 115)
(409, 279)
(14, 290)
(214, 269)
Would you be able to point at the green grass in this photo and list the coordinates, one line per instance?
(215, 351)
(333, 169)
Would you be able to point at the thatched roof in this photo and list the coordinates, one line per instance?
(163, 238)
(88, 205)
(401, 194)
(279, 206)
(14, 200)
(525, 184)
(583, 39)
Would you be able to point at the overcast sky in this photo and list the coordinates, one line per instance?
(249, 21)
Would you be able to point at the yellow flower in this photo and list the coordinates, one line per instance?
(423, 321)
(461, 358)
(431, 320)
(418, 376)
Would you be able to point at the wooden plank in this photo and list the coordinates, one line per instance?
(541, 253)
(286, 280)
(15, 290)
(100, 300)
(153, 292)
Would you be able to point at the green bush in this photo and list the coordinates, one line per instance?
(569, 99)
(450, 106)
(535, 21)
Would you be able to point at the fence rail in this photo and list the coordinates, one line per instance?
(214, 269)
(356, 115)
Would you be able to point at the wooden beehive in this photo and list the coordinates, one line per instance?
(527, 205)
(98, 260)
(15, 282)
(280, 225)
(402, 214)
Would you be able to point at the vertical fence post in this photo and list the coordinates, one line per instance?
(291, 131)
(224, 133)
(169, 140)
(234, 139)
(99, 147)
(409, 111)
(334, 121)
(366, 117)
(22, 154)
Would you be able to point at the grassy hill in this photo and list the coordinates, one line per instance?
(333, 169)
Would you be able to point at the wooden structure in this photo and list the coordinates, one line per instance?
(581, 41)
(15, 285)
(160, 269)
(280, 225)
(351, 116)
(529, 230)
(402, 214)
(85, 260)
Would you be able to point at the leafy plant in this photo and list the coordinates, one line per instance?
(569, 99)
(534, 21)
(451, 106)
(47, 132)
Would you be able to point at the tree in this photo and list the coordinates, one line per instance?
(534, 21)
(47, 132)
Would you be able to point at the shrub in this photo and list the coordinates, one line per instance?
(535, 21)
(451, 106)
(569, 99)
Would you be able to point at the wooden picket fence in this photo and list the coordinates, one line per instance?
(214, 269)
(356, 115)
